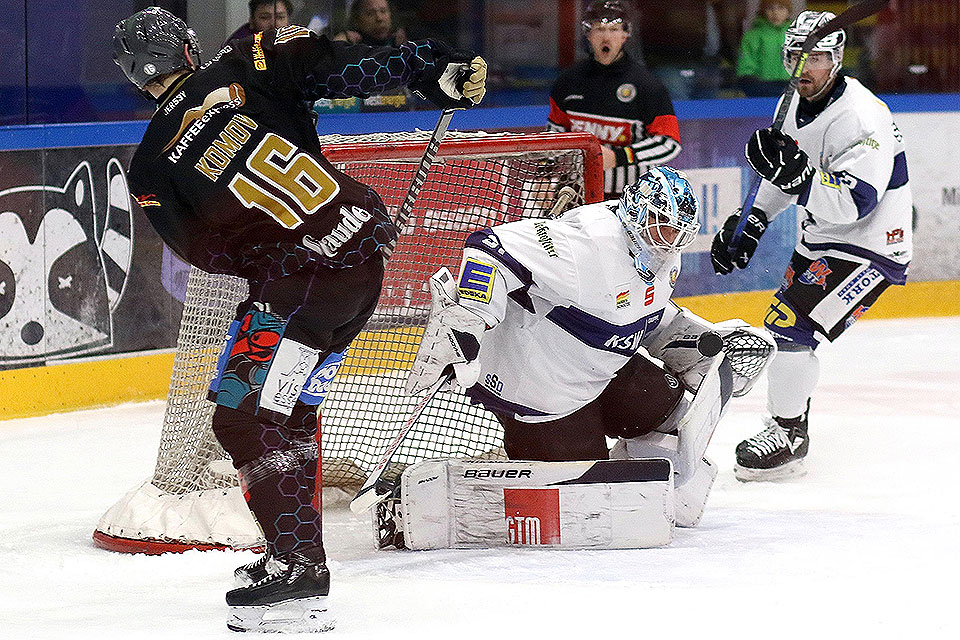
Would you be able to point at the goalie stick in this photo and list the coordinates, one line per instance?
(419, 178)
(853, 14)
(372, 491)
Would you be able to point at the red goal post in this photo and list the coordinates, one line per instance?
(192, 500)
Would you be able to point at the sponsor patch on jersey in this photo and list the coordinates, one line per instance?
(674, 274)
(816, 273)
(149, 200)
(895, 236)
(476, 280)
(623, 299)
(259, 60)
(626, 92)
(543, 237)
(856, 315)
(196, 118)
(830, 180)
(788, 276)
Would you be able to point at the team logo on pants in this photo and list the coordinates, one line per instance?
(816, 273)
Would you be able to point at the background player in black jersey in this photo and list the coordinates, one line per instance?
(615, 97)
(231, 175)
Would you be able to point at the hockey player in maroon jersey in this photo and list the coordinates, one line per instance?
(231, 175)
(616, 98)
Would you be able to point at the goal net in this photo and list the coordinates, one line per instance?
(477, 180)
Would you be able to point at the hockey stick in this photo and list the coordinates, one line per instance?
(419, 178)
(565, 196)
(853, 14)
(368, 495)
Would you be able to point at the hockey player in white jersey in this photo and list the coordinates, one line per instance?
(552, 327)
(840, 158)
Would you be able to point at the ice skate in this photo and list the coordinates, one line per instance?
(775, 453)
(291, 601)
(264, 566)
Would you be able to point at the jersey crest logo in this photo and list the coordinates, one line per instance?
(816, 274)
(232, 96)
(626, 92)
(476, 280)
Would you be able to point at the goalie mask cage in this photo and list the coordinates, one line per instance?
(193, 500)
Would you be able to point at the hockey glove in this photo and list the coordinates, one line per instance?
(457, 79)
(451, 340)
(724, 257)
(777, 158)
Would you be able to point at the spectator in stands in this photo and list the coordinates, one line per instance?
(615, 97)
(760, 69)
(264, 15)
(371, 22)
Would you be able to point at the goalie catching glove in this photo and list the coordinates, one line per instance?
(451, 341)
(458, 80)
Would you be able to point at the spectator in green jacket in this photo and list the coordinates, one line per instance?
(760, 67)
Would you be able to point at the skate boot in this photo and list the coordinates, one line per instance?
(291, 601)
(775, 453)
(265, 565)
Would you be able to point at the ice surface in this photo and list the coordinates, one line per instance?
(866, 545)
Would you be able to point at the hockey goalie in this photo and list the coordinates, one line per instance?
(565, 330)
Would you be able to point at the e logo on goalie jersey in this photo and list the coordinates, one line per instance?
(476, 280)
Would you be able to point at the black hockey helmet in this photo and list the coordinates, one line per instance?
(605, 12)
(154, 42)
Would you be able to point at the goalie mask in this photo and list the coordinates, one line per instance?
(832, 43)
(660, 215)
(152, 43)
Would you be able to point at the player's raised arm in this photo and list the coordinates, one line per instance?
(317, 67)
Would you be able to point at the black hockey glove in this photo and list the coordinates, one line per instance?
(458, 78)
(723, 256)
(777, 158)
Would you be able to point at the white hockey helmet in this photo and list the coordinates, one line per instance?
(659, 212)
(803, 26)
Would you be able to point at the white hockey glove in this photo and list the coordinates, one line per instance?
(451, 339)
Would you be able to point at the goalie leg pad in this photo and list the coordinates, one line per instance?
(602, 504)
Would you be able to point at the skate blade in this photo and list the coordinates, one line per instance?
(792, 469)
(304, 615)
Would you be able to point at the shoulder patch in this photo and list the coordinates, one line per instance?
(291, 32)
(476, 280)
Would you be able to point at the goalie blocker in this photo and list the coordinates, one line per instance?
(458, 503)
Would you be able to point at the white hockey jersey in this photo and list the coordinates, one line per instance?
(859, 203)
(566, 306)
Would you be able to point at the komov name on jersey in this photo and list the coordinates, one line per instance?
(328, 245)
(235, 134)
